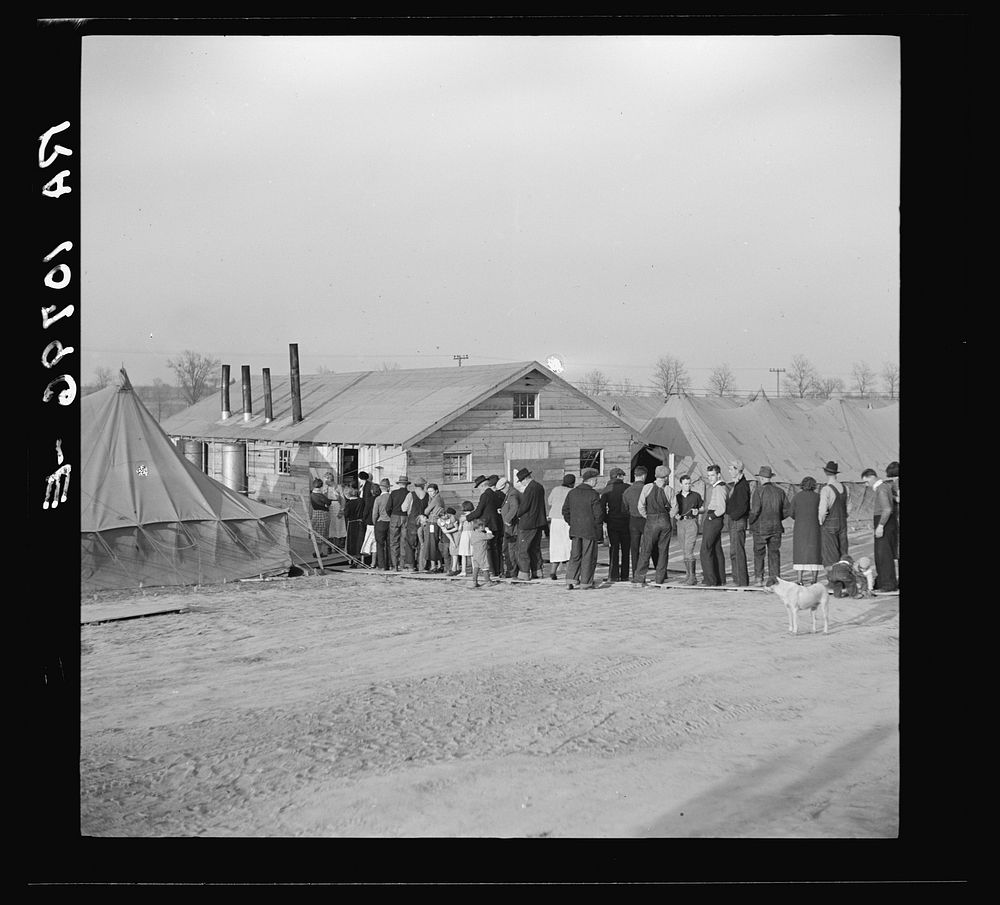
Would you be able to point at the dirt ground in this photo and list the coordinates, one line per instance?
(363, 705)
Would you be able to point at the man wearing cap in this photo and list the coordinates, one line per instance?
(583, 511)
(636, 523)
(738, 510)
(768, 508)
(397, 518)
(508, 515)
(380, 518)
(616, 519)
(531, 520)
(832, 517)
(414, 506)
(655, 506)
(488, 512)
(713, 560)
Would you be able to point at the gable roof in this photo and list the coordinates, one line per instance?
(389, 408)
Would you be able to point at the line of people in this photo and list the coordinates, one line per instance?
(500, 534)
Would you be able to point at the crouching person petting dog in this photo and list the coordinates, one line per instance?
(796, 597)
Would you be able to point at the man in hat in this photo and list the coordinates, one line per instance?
(380, 518)
(531, 519)
(489, 513)
(713, 560)
(367, 493)
(616, 520)
(738, 510)
(832, 516)
(768, 509)
(414, 506)
(655, 506)
(397, 519)
(508, 516)
(583, 511)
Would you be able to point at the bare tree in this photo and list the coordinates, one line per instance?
(389, 366)
(103, 377)
(863, 377)
(595, 383)
(323, 369)
(670, 376)
(624, 388)
(722, 380)
(196, 374)
(890, 378)
(800, 377)
(826, 387)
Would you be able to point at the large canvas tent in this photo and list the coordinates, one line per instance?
(150, 517)
(795, 437)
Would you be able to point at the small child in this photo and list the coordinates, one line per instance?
(842, 578)
(865, 568)
(481, 537)
(448, 523)
(465, 538)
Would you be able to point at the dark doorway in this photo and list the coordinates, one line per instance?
(348, 466)
(645, 457)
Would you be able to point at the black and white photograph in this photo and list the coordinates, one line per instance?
(483, 435)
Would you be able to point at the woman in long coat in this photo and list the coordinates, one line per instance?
(320, 510)
(806, 541)
(560, 545)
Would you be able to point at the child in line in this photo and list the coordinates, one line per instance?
(448, 525)
(465, 539)
(481, 537)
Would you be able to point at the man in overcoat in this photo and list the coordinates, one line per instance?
(583, 512)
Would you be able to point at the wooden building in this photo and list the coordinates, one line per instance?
(446, 425)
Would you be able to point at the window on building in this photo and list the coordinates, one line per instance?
(526, 405)
(284, 461)
(592, 458)
(457, 467)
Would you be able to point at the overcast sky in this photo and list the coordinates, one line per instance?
(605, 199)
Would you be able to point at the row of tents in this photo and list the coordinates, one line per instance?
(150, 517)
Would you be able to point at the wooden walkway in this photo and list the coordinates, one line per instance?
(114, 612)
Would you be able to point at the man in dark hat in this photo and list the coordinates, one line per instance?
(489, 513)
(531, 520)
(768, 508)
(380, 519)
(616, 519)
(397, 519)
(833, 501)
(583, 512)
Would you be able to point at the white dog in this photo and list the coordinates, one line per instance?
(796, 597)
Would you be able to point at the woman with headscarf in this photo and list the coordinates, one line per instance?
(354, 510)
(807, 553)
(560, 545)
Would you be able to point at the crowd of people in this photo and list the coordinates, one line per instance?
(499, 534)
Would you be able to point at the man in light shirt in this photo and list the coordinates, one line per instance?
(885, 524)
(713, 560)
(655, 507)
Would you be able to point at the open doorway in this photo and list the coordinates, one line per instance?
(644, 457)
(348, 466)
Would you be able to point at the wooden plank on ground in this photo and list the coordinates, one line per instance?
(114, 612)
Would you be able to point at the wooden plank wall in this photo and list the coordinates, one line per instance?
(567, 422)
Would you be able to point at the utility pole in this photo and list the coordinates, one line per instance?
(459, 358)
(777, 377)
